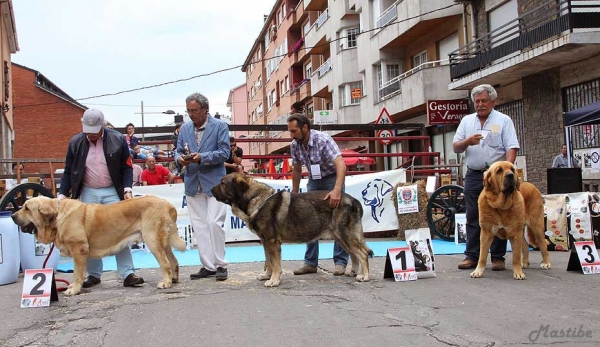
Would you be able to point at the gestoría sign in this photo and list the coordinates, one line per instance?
(442, 112)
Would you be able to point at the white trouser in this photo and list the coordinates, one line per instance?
(208, 219)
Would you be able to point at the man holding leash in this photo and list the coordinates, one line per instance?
(207, 140)
(321, 156)
(98, 170)
(486, 136)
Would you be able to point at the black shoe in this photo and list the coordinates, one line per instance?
(221, 274)
(91, 281)
(203, 273)
(132, 280)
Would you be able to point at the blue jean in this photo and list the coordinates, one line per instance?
(311, 257)
(106, 196)
(473, 187)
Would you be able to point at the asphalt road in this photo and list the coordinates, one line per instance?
(318, 310)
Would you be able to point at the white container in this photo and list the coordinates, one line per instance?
(9, 249)
(33, 253)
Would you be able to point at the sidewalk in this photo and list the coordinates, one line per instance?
(317, 310)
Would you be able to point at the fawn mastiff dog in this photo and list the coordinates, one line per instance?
(85, 231)
(505, 206)
(277, 217)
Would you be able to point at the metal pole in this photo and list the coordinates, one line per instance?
(142, 119)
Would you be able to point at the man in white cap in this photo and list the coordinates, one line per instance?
(98, 170)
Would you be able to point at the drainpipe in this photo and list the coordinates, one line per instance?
(473, 31)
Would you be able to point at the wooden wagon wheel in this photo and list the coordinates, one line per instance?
(14, 199)
(443, 204)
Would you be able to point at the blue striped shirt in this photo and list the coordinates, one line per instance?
(321, 150)
(502, 138)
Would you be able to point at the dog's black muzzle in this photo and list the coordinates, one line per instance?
(28, 229)
(510, 183)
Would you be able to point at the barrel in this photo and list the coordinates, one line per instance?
(33, 253)
(9, 249)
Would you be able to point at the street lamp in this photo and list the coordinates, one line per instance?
(142, 113)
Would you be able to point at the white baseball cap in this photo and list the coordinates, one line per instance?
(93, 121)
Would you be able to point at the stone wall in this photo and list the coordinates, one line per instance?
(543, 123)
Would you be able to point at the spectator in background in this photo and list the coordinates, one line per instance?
(137, 173)
(143, 152)
(174, 138)
(155, 174)
(131, 139)
(234, 163)
(17, 170)
(561, 160)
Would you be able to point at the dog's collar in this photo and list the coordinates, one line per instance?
(261, 205)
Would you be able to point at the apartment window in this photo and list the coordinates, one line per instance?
(258, 56)
(283, 87)
(259, 109)
(274, 96)
(306, 28)
(308, 70)
(348, 39)
(498, 17)
(253, 117)
(350, 93)
(419, 59)
(387, 81)
(269, 101)
(310, 111)
(287, 83)
(267, 40)
(259, 82)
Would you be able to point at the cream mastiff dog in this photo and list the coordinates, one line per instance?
(85, 231)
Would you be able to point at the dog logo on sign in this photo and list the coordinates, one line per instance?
(374, 195)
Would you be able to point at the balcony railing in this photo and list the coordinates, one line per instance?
(392, 87)
(322, 18)
(323, 69)
(388, 15)
(533, 27)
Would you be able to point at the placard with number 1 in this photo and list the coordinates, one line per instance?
(400, 264)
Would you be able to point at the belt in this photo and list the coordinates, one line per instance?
(474, 170)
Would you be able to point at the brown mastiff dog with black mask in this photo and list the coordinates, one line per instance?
(277, 217)
(505, 206)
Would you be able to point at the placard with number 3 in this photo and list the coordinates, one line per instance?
(37, 287)
(588, 256)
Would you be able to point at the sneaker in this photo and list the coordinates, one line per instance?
(339, 270)
(305, 269)
(221, 274)
(498, 265)
(203, 273)
(467, 264)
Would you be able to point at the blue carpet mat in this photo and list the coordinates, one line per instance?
(245, 254)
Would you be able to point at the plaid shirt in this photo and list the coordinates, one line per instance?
(321, 150)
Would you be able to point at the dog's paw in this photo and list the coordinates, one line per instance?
(478, 273)
(362, 278)
(164, 285)
(519, 275)
(71, 291)
(525, 265)
(545, 266)
(350, 273)
(175, 280)
(272, 283)
(263, 276)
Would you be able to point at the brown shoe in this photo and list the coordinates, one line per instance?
(132, 280)
(305, 269)
(467, 264)
(339, 270)
(498, 265)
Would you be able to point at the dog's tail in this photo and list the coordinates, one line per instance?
(174, 240)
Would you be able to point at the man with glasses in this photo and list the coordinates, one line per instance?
(98, 170)
(234, 163)
(207, 141)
